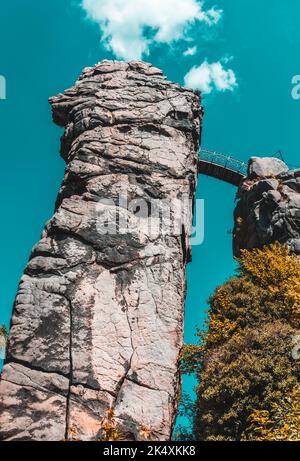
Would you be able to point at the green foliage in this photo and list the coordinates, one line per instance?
(109, 432)
(281, 423)
(243, 361)
(278, 271)
(190, 359)
(187, 409)
(250, 371)
(183, 434)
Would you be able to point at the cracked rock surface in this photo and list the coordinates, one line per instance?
(268, 209)
(97, 324)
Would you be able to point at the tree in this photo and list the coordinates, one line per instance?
(243, 360)
(281, 423)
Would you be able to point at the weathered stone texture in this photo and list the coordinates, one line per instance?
(98, 319)
(268, 209)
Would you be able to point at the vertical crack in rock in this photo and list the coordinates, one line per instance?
(97, 324)
(128, 368)
(68, 416)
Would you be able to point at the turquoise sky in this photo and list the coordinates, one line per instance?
(44, 46)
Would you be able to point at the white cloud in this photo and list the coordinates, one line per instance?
(124, 22)
(209, 77)
(190, 51)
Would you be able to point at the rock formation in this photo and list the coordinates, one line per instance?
(97, 325)
(268, 209)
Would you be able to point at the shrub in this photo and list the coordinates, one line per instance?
(280, 423)
(243, 360)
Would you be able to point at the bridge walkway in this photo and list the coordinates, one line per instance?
(223, 167)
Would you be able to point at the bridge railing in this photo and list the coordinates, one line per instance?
(226, 161)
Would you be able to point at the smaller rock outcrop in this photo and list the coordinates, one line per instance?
(268, 209)
(265, 167)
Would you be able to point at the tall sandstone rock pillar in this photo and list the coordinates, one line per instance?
(97, 325)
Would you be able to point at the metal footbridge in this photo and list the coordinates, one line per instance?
(223, 167)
